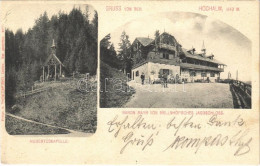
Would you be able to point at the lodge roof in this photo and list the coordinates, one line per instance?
(145, 41)
(54, 57)
(200, 57)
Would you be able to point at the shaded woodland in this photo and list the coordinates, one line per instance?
(75, 36)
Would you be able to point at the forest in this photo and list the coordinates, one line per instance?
(114, 66)
(75, 36)
(121, 59)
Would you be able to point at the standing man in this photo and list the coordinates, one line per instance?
(151, 78)
(142, 78)
(165, 77)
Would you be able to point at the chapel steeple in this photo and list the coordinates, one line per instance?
(203, 49)
(53, 47)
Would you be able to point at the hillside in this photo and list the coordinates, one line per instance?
(19, 127)
(114, 91)
(62, 106)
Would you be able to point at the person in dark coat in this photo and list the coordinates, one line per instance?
(142, 78)
(165, 77)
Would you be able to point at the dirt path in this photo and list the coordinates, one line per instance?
(71, 134)
(192, 95)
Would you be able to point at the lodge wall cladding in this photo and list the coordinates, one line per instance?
(159, 55)
(151, 55)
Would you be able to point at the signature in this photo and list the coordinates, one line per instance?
(238, 140)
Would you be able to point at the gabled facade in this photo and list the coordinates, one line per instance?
(52, 68)
(154, 57)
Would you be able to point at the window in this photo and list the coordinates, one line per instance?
(167, 71)
(165, 56)
(192, 73)
(212, 74)
(164, 71)
(203, 74)
(137, 73)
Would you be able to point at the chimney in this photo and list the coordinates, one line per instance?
(193, 50)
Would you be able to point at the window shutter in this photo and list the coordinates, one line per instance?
(171, 56)
(170, 71)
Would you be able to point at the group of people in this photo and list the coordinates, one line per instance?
(164, 77)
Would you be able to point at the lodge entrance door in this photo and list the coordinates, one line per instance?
(166, 71)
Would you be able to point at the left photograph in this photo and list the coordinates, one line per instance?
(50, 69)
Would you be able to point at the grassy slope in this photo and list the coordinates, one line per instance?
(116, 94)
(63, 106)
(19, 127)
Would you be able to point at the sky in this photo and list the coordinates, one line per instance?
(17, 16)
(227, 44)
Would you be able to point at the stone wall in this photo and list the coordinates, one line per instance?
(151, 68)
(155, 68)
(141, 69)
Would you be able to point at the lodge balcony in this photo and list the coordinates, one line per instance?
(167, 46)
(181, 64)
(200, 67)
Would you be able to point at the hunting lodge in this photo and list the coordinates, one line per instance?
(164, 55)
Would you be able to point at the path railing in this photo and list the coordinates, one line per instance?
(242, 93)
(72, 81)
(31, 92)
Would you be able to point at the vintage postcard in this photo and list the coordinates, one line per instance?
(130, 82)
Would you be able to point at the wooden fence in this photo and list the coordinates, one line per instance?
(242, 93)
(31, 92)
(73, 81)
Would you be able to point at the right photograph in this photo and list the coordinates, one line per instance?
(175, 60)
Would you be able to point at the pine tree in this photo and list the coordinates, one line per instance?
(124, 52)
(76, 40)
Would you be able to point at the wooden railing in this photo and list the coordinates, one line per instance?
(167, 46)
(31, 92)
(245, 87)
(71, 81)
(242, 93)
(194, 66)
